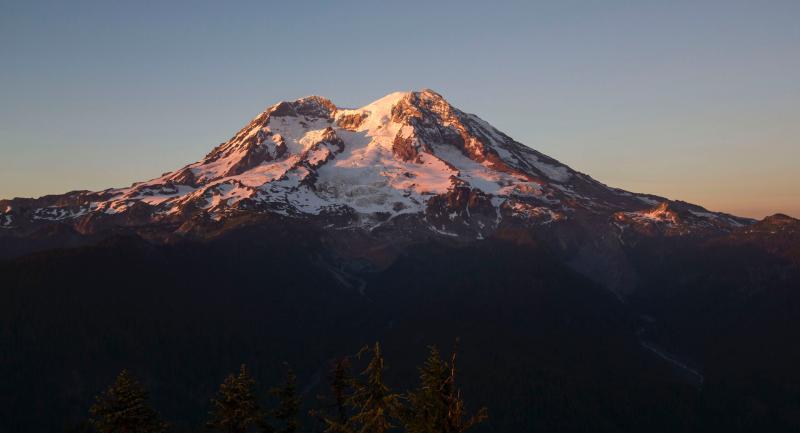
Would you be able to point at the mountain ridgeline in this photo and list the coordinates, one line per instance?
(579, 307)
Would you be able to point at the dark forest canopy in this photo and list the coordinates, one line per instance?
(361, 402)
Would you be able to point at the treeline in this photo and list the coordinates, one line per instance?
(358, 402)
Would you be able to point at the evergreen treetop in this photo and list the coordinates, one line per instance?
(436, 405)
(123, 408)
(236, 408)
(375, 407)
(288, 404)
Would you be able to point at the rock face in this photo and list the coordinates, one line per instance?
(408, 155)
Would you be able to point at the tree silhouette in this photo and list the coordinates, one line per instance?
(236, 408)
(288, 404)
(340, 382)
(123, 408)
(436, 405)
(373, 404)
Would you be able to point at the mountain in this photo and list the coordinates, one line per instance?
(404, 154)
(316, 229)
(405, 167)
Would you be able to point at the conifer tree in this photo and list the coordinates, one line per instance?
(374, 405)
(123, 408)
(340, 382)
(288, 404)
(457, 419)
(436, 405)
(428, 403)
(236, 408)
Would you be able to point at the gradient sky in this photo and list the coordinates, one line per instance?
(693, 100)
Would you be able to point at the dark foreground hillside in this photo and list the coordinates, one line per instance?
(542, 347)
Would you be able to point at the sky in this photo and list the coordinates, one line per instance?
(692, 100)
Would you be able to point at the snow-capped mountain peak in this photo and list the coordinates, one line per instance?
(408, 153)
